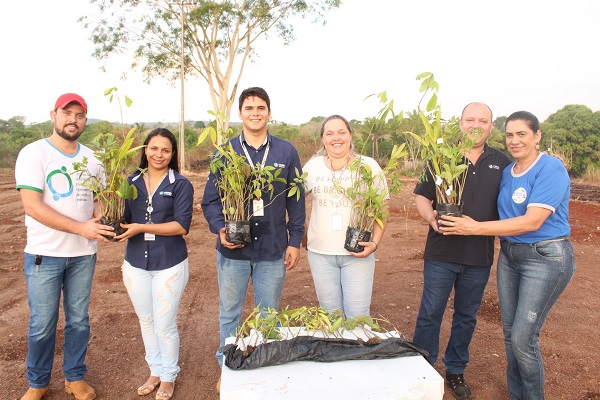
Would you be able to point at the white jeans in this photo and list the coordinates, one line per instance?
(343, 282)
(155, 296)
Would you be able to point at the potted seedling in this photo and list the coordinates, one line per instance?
(367, 194)
(117, 155)
(239, 183)
(442, 151)
(368, 189)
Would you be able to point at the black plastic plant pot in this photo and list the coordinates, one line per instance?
(116, 224)
(238, 232)
(353, 236)
(450, 209)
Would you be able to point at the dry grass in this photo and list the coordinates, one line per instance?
(591, 174)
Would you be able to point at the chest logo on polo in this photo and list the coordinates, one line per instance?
(519, 195)
(60, 183)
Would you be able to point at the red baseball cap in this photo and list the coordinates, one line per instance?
(67, 98)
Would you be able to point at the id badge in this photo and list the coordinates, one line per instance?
(149, 237)
(337, 222)
(258, 208)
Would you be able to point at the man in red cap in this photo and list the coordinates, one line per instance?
(60, 255)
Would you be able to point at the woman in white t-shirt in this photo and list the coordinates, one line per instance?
(343, 280)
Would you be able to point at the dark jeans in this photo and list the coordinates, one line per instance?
(439, 280)
(531, 277)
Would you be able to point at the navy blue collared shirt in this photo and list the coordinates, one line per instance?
(173, 200)
(271, 233)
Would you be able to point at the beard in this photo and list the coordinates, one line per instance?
(63, 133)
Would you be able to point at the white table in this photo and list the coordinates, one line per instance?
(402, 378)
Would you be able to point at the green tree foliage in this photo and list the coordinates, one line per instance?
(14, 135)
(574, 132)
(12, 123)
(219, 37)
(13, 142)
(499, 123)
(376, 130)
(497, 140)
(283, 130)
(93, 130)
(410, 122)
(191, 136)
(141, 127)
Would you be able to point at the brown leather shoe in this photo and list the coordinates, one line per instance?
(80, 389)
(35, 394)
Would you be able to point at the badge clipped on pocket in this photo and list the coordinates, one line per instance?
(258, 208)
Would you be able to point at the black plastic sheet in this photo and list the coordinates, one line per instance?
(310, 348)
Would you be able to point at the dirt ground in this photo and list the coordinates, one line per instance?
(115, 359)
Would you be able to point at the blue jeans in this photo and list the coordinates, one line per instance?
(73, 276)
(469, 283)
(531, 277)
(233, 277)
(343, 282)
(155, 296)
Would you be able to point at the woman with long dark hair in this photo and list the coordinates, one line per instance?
(155, 270)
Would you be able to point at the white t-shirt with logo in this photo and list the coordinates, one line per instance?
(331, 210)
(45, 169)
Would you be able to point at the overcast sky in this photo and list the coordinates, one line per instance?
(511, 54)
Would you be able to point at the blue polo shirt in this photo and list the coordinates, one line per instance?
(546, 184)
(172, 201)
(273, 232)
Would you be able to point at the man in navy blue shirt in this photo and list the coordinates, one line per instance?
(275, 246)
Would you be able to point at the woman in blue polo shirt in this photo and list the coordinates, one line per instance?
(155, 270)
(536, 260)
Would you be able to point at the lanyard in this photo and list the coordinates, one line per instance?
(248, 155)
(151, 195)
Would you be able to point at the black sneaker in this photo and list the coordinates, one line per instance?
(460, 389)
